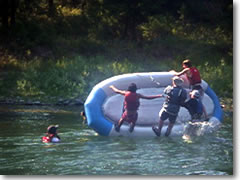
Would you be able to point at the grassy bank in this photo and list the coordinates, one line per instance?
(72, 78)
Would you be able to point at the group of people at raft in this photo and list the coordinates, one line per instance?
(176, 97)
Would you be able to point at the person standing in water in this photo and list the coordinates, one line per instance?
(131, 105)
(176, 96)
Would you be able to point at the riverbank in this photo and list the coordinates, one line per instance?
(69, 81)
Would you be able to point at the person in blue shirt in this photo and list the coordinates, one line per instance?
(195, 107)
(175, 97)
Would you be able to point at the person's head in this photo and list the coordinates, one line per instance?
(177, 81)
(195, 94)
(132, 87)
(186, 63)
(52, 129)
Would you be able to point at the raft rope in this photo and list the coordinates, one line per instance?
(154, 80)
(151, 78)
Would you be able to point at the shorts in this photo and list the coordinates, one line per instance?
(164, 115)
(130, 117)
(196, 87)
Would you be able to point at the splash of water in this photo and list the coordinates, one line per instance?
(199, 128)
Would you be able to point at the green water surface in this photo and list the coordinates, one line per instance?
(83, 152)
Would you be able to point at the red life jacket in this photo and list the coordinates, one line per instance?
(131, 101)
(47, 139)
(196, 78)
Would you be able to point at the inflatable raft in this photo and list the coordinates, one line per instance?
(103, 107)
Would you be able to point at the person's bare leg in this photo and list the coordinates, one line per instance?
(160, 126)
(131, 128)
(169, 129)
(133, 123)
(119, 124)
(158, 130)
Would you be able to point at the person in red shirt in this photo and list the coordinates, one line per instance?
(131, 105)
(192, 74)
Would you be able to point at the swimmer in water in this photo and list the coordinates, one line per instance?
(51, 135)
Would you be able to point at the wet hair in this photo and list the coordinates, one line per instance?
(132, 87)
(52, 129)
(187, 62)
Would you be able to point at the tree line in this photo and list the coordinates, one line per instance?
(121, 17)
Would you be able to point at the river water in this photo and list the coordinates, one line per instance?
(83, 152)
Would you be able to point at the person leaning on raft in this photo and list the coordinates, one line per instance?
(195, 107)
(176, 96)
(192, 74)
(131, 105)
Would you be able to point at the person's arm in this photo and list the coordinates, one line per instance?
(117, 90)
(181, 72)
(150, 97)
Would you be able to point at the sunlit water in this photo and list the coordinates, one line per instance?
(83, 152)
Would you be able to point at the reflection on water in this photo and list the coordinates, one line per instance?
(83, 152)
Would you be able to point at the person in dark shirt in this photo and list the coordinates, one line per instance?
(195, 107)
(176, 96)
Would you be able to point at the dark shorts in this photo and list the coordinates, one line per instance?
(165, 115)
(130, 117)
(196, 87)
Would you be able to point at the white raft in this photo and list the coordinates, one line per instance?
(103, 107)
